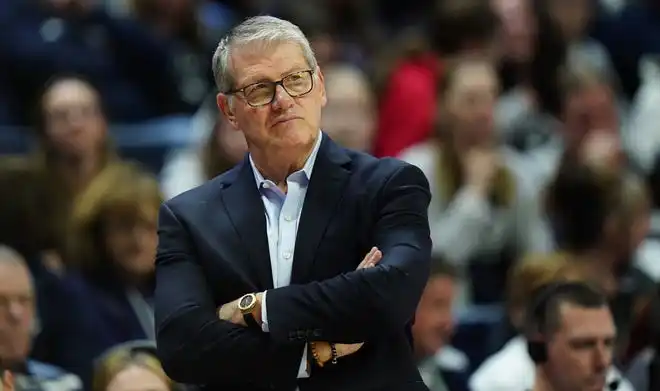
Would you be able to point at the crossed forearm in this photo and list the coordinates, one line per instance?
(322, 351)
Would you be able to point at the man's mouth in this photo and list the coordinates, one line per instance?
(284, 120)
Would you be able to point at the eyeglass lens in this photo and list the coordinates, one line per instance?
(295, 85)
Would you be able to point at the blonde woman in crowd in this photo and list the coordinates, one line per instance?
(482, 212)
(511, 368)
(111, 250)
(126, 368)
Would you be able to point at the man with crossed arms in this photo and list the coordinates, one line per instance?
(257, 287)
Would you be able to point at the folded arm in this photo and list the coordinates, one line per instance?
(194, 345)
(380, 300)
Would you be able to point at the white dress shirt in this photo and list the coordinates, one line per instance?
(283, 212)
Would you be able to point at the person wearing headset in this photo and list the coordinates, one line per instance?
(570, 334)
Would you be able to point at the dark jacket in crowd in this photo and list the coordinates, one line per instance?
(131, 68)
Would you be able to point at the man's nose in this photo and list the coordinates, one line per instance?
(282, 99)
(16, 310)
(603, 357)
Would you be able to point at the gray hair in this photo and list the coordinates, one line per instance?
(267, 30)
(9, 255)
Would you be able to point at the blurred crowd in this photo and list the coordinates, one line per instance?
(536, 122)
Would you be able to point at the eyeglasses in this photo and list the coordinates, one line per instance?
(262, 93)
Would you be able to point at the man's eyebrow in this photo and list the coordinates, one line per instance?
(249, 81)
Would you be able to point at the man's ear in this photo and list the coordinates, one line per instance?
(321, 85)
(225, 104)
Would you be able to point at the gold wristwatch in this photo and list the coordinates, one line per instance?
(247, 305)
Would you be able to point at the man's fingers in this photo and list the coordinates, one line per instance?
(371, 259)
(377, 256)
(367, 258)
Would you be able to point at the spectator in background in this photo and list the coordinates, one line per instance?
(631, 35)
(72, 148)
(574, 18)
(511, 368)
(482, 213)
(18, 326)
(315, 21)
(130, 67)
(442, 367)
(591, 126)
(223, 148)
(642, 137)
(534, 52)
(593, 221)
(125, 368)
(407, 109)
(22, 202)
(349, 116)
(111, 252)
(178, 23)
(570, 331)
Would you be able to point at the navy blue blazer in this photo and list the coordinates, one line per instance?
(213, 249)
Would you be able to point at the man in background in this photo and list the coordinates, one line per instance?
(442, 367)
(571, 334)
(17, 327)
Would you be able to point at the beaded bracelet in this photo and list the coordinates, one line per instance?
(333, 349)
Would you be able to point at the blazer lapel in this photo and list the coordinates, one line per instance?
(325, 191)
(245, 209)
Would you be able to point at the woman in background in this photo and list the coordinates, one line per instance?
(407, 109)
(222, 149)
(129, 369)
(482, 215)
(111, 250)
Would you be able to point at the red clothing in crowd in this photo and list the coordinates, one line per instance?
(407, 110)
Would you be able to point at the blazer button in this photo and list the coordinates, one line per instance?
(293, 336)
(317, 333)
(301, 335)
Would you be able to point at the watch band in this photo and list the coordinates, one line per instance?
(250, 321)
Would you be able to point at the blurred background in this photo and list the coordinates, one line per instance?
(537, 123)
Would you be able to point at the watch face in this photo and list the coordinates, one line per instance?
(245, 301)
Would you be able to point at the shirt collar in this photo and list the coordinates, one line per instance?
(306, 170)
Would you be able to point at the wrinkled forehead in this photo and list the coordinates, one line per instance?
(15, 278)
(265, 60)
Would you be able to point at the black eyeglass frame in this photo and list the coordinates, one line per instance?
(276, 83)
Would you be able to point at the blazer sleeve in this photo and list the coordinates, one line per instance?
(194, 345)
(364, 304)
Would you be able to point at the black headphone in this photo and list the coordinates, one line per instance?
(137, 347)
(535, 320)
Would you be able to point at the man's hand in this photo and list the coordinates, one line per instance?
(371, 259)
(323, 348)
